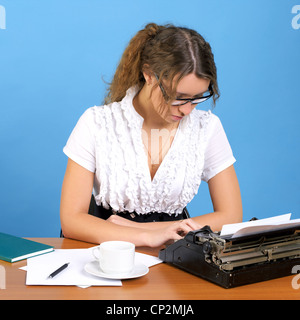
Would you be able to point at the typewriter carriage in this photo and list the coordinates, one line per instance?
(234, 261)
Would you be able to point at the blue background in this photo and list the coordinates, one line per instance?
(55, 57)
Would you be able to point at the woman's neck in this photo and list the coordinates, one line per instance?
(144, 107)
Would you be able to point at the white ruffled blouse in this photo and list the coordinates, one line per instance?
(107, 140)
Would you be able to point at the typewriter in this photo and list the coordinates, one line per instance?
(239, 259)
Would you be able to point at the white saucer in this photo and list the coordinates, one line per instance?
(94, 269)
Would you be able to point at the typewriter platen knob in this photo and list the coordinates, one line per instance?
(207, 247)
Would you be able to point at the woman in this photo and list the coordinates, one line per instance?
(147, 149)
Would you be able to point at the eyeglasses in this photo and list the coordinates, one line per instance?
(180, 102)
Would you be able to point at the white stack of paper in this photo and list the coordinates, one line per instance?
(244, 228)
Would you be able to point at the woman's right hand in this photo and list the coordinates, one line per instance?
(175, 231)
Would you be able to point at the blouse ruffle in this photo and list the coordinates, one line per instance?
(122, 168)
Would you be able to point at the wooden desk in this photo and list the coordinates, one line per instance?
(163, 282)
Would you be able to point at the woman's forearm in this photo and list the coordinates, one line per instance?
(85, 227)
(92, 229)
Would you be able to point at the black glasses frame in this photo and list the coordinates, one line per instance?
(167, 98)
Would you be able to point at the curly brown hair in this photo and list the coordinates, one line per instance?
(167, 51)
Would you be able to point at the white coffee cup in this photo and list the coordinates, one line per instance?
(115, 257)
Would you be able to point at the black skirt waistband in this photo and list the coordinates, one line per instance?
(103, 213)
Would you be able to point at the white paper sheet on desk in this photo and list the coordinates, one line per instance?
(235, 227)
(146, 259)
(40, 267)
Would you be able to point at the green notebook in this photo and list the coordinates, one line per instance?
(13, 248)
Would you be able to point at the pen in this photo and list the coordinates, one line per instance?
(53, 274)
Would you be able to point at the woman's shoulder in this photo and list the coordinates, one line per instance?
(205, 118)
(100, 109)
(118, 109)
(97, 113)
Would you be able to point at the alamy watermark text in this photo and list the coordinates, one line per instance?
(296, 278)
(2, 17)
(296, 18)
(2, 278)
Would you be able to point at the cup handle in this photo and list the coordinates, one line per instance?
(96, 253)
